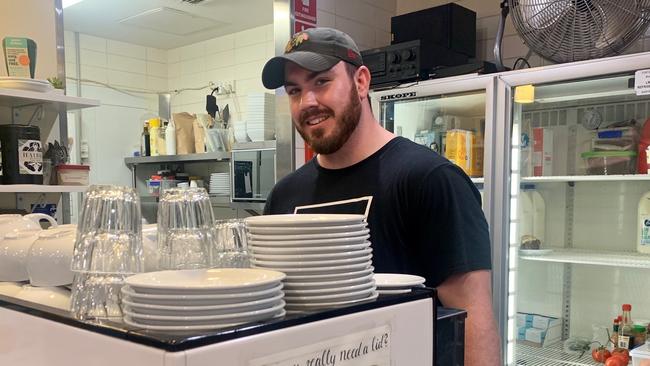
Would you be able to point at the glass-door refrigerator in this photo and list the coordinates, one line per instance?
(575, 198)
(454, 117)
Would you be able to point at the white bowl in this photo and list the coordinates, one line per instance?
(48, 263)
(14, 249)
(55, 297)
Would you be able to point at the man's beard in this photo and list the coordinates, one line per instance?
(345, 125)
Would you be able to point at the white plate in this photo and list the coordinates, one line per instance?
(185, 328)
(393, 280)
(200, 300)
(323, 270)
(201, 310)
(201, 320)
(535, 251)
(330, 297)
(344, 234)
(309, 264)
(42, 86)
(310, 257)
(393, 292)
(328, 291)
(338, 276)
(214, 280)
(304, 220)
(261, 230)
(326, 284)
(306, 250)
(330, 304)
(301, 243)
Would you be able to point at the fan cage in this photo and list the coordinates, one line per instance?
(575, 30)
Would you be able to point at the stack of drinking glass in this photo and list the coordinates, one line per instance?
(327, 258)
(108, 249)
(231, 244)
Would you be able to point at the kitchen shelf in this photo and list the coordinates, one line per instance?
(587, 178)
(594, 257)
(37, 188)
(550, 356)
(21, 98)
(218, 156)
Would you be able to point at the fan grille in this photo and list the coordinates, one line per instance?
(574, 30)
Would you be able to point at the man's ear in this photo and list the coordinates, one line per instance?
(362, 81)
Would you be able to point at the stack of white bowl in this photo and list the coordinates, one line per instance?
(201, 299)
(220, 184)
(397, 283)
(260, 116)
(327, 258)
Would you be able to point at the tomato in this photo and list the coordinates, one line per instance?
(615, 361)
(622, 356)
(600, 354)
(621, 351)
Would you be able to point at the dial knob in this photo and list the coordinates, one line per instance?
(408, 55)
(393, 58)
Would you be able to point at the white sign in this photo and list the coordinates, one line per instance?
(367, 348)
(642, 82)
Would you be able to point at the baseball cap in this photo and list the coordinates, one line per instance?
(315, 49)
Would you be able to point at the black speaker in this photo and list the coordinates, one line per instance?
(447, 34)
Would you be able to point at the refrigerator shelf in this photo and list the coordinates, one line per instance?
(586, 178)
(593, 257)
(550, 356)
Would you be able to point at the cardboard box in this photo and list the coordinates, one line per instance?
(524, 320)
(539, 330)
(458, 148)
(535, 335)
(542, 151)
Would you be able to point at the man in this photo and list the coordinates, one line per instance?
(425, 215)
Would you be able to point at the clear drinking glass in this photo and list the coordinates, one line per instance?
(185, 231)
(96, 295)
(231, 244)
(109, 236)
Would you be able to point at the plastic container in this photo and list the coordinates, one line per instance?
(641, 356)
(73, 175)
(610, 162)
(643, 225)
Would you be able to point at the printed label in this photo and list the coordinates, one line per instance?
(367, 348)
(642, 82)
(645, 230)
(17, 57)
(624, 342)
(30, 157)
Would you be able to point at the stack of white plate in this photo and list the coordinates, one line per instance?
(260, 116)
(220, 184)
(13, 82)
(201, 299)
(327, 258)
(396, 283)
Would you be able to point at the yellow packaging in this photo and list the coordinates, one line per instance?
(458, 148)
(476, 169)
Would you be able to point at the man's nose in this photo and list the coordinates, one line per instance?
(308, 100)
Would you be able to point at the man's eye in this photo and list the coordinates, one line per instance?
(292, 92)
(321, 81)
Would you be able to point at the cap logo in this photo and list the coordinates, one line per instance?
(352, 55)
(296, 41)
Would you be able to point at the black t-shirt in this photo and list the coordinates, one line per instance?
(425, 216)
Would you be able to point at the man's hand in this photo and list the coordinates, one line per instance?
(472, 292)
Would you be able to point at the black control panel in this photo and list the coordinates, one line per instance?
(394, 64)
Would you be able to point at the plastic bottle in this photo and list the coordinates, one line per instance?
(145, 141)
(170, 137)
(626, 331)
(615, 329)
(154, 127)
(526, 214)
(643, 225)
(539, 216)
